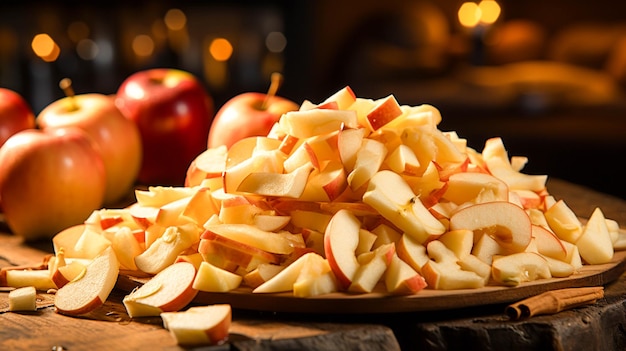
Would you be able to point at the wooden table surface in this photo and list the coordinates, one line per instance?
(110, 328)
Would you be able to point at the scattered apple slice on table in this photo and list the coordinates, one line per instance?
(83, 295)
(23, 299)
(199, 325)
(170, 290)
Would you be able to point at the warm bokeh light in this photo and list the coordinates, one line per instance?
(143, 45)
(175, 19)
(485, 12)
(469, 14)
(220, 49)
(276, 42)
(45, 47)
(489, 11)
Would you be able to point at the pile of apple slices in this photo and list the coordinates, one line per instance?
(350, 195)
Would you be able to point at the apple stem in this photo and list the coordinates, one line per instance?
(276, 81)
(66, 85)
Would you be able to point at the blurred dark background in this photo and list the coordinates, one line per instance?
(549, 77)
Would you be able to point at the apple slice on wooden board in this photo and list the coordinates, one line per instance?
(23, 299)
(200, 325)
(169, 290)
(85, 294)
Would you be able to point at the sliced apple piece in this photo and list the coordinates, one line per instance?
(170, 290)
(166, 248)
(19, 278)
(443, 272)
(277, 184)
(262, 273)
(209, 164)
(341, 240)
(317, 285)
(595, 245)
(467, 186)
(507, 223)
(548, 243)
(412, 252)
(459, 241)
(386, 110)
(214, 279)
(81, 296)
(372, 266)
(392, 197)
(307, 266)
(23, 299)
(199, 325)
(401, 279)
(305, 124)
(519, 267)
(253, 236)
(369, 158)
(564, 222)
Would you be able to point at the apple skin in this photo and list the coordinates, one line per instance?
(15, 114)
(49, 181)
(173, 112)
(242, 116)
(118, 139)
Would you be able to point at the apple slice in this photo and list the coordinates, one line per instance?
(507, 223)
(519, 267)
(564, 222)
(126, 248)
(62, 275)
(341, 240)
(277, 184)
(548, 243)
(214, 279)
(595, 245)
(209, 164)
(392, 197)
(372, 266)
(19, 278)
(307, 266)
(325, 184)
(305, 124)
(401, 279)
(369, 158)
(458, 241)
(348, 144)
(344, 98)
(250, 235)
(23, 299)
(199, 325)
(170, 290)
(402, 160)
(412, 252)
(444, 273)
(157, 196)
(317, 285)
(386, 110)
(81, 296)
(466, 187)
(164, 250)
(262, 273)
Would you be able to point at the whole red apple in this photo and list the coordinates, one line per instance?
(245, 115)
(15, 114)
(249, 114)
(49, 181)
(173, 112)
(118, 138)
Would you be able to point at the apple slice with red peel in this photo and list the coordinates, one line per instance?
(444, 273)
(519, 267)
(199, 325)
(467, 186)
(412, 252)
(548, 243)
(170, 290)
(214, 279)
(386, 110)
(372, 266)
(369, 159)
(348, 144)
(402, 160)
(85, 294)
(507, 223)
(341, 240)
(209, 164)
(66, 273)
(401, 279)
(344, 98)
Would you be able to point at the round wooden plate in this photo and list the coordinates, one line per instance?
(425, 300)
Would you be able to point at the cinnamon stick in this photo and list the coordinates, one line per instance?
(554, 301)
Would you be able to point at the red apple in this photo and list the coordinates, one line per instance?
(173, 112)
(117, 138)
(49, 181)
(15, 114)
(248, 114)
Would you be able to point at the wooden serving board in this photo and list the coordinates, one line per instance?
(425, 300)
